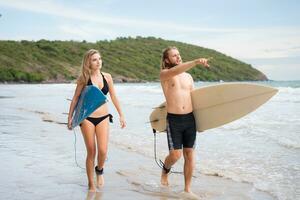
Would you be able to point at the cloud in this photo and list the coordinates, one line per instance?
(269, 42)
(85, 32)
(60, 10)
(280, 72)
(243, 43)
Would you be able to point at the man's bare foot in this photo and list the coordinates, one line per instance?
(100, 181)
(164, 178)
(189, 195)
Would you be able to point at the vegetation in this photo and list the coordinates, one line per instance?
(132, 59)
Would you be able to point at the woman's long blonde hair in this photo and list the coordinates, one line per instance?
(165, 55)
(86, 67)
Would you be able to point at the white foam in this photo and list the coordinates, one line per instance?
(261, 148)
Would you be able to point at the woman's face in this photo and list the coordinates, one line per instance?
(96, 61)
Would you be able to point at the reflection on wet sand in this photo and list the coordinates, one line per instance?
(94, 195)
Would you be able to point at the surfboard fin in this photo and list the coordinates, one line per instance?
(156, 120)
(161, 107)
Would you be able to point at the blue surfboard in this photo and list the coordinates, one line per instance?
(90, 99)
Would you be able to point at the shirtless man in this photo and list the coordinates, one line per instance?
(181, 128)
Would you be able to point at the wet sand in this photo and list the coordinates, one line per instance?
(43, 167)
(37, 162)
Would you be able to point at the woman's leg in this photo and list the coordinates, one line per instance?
(88, 132)
(102, 143)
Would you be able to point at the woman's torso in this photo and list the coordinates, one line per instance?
(102, 84)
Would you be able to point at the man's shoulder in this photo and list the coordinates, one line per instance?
(188, 77)
(186, 74)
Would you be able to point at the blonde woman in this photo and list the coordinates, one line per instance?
(95, 128)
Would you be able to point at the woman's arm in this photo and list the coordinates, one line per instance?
(75, 98)
(115, 100)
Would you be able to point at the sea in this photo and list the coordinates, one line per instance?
(261, 149)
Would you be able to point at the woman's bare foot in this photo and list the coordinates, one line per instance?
(164, 178)
(100, 181)
(90, 195)
(100, 178)
(92, 188)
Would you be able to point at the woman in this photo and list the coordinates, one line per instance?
(96, 127)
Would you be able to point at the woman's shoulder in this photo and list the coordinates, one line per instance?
(81, 81)
(107, 75)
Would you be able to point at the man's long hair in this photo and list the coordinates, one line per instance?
(164, 57)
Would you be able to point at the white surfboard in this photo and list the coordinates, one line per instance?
(216, 105)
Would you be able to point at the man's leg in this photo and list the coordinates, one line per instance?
(170, 160)
(174, 136)
(189, 165)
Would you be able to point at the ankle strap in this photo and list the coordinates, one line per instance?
(98, 171)
(164, 167)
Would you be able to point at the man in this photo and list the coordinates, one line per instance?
(181, 128)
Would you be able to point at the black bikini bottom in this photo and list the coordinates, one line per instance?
(97, 120)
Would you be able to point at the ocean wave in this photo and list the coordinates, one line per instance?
(287, 95)
(140, 88)
(289, 90)
(6, 97)
(292, 84)
(16, 118)
(273, 189)
(148, 105)
(288, 143)
(269, 185)
(234, 126)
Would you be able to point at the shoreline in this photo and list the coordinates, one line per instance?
(73, 81)
(133, 81)
(34, 142)
(140, 179)
(133, 175)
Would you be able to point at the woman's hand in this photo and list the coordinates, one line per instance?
(122, 122)
(70, 123)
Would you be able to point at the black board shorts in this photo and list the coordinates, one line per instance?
(181, 131)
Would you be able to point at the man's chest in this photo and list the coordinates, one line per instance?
(182, 82)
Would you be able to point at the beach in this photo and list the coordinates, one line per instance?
(256, 157)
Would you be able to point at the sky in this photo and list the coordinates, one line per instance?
(263, 33)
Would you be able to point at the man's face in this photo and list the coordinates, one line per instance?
(174, 58)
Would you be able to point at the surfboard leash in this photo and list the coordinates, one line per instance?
(160, 164)
(155, 157)
(75, 150)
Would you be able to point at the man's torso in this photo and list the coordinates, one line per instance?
(177, 91)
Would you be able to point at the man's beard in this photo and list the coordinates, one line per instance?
(170, 65)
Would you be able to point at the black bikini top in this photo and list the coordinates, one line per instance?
(105, 87)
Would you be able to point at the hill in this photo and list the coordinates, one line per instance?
(127, 59)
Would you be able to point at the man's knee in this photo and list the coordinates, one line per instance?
(188, 153)
(175, 154)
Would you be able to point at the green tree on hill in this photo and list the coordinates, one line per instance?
(134, 59)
